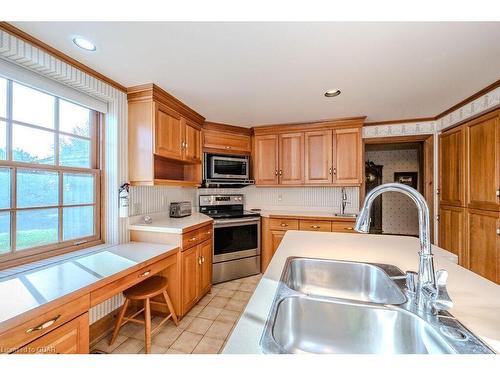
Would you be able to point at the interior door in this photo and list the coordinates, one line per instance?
(483, 152)
(168, 133)
(190, 277)
(266, 160)
(206, 266)
(291, 158)
(318, 157)
(347, 154)
(192, 146)
(452, 230)
(452, 167)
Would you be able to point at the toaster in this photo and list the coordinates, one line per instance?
(180, 209)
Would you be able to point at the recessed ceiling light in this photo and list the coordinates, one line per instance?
(84, 43)
(332, 93)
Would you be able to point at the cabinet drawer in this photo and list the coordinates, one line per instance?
(34, 328)
(284, 224)
(196, 236)
(115, 287)
(346, 227)
(70, 338)
(315, 225)
(226, 141)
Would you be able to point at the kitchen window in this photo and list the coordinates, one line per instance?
(49, 172)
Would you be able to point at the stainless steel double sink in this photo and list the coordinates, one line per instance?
(329, 306)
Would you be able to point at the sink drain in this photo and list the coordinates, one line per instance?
(454, 333)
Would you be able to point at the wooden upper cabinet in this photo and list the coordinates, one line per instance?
(291, 158)
(452, 167)
(483, 154)
(452, 230)
(483, 245)
(318, 157)
(223, 141)
(169, 133)
(266, 159)
(192, 143)
(347, 156)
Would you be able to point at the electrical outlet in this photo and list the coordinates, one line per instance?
(137, 208)
(280, 197)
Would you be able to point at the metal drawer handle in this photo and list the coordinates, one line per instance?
(498, 192)
(330, 171)
(276, 172)
(47, 324)
(335, 171)
(192, 239)
(228, 147)
(315, 226)
(144, 274)
(284, 224)
(209, 232)
(199, 260)
(349, 228)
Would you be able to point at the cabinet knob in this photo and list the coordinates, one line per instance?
(284, 224)
(498, 192)
(315, 226)
(281, 172)
(199, 260)
(498, 231)
(349, 228)
(202, 259)
(192, 239)
(276, 172)
(330, 170)
(228, 147)
(334, 171)
(145, 273)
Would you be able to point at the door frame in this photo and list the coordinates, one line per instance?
(427, 167)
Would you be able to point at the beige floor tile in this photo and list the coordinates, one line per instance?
(226, 293)
(219, 330)
(199, 326)
(210, 312)
(208, 345)
(166, 336)
(155, 349)
(205, 300)
(185, 321)
(235, 305)
(104, 346)
(172, 351)
(195, 310)
(133, 330)
(231, 285)
(241, 296)
(186, 342)
(247, 287)
(218, 302)
(228, 316)
(129, 346)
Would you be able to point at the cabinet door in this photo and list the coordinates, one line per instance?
(206, 266)
(452, 230)
(227, 142)
(318, 157)
(70, 338)
(484, 162)
(266, 160)
(276, 237)
(347, 153)
(483, 243)
(452, 167)
(190, 277)
(291, 158)
(192, 145)
(169, 135)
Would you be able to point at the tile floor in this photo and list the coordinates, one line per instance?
(204, 330)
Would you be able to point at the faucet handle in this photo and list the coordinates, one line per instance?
(442, 299)
(411, 282)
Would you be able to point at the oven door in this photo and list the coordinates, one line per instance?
(236, 239)
(228, 167)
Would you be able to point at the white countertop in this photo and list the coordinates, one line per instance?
(312, 214)
(27, 290)
(165, 224)
(476, 300)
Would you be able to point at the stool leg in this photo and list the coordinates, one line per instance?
(147, 321)
(119, 321)
(170, 307)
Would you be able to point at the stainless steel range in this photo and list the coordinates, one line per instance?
(236, 236)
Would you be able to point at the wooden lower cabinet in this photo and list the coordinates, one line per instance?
(196, 273)
(70, 338)
(483, 243)
(452, 230)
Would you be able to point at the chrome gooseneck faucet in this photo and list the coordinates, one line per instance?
(428, 287)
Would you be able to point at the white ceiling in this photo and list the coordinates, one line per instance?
(258, 73)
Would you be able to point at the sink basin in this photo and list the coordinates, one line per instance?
(308, 325)
(346, 280)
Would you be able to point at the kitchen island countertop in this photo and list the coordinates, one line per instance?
(162, 223)
(476, 300)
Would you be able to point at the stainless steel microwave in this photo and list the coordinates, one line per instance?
(227, 167)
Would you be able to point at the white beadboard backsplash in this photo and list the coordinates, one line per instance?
(150, 199)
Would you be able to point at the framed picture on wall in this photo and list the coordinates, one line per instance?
(407, 178)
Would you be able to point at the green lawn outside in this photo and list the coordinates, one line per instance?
(29, 238)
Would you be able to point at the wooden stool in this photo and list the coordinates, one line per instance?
(146, 290)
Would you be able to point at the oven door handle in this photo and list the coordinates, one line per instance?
(232, 222)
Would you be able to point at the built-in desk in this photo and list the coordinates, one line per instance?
(57, 296)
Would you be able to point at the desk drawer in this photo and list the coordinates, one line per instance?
(196, 236)
(315, 225)
(32, 329)
(117, 286)
(284, 224)
(347, 227)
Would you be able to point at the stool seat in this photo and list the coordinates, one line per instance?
(149, 288)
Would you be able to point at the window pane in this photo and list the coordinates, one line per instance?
(78, 222)
(4, 232)
(3, 97)
(32, 106)
(78, 188)
(3, 140)
(36, 227)
(74, 119)
(37, 188)
(32, 145)
(74, 152)
(4, 188)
